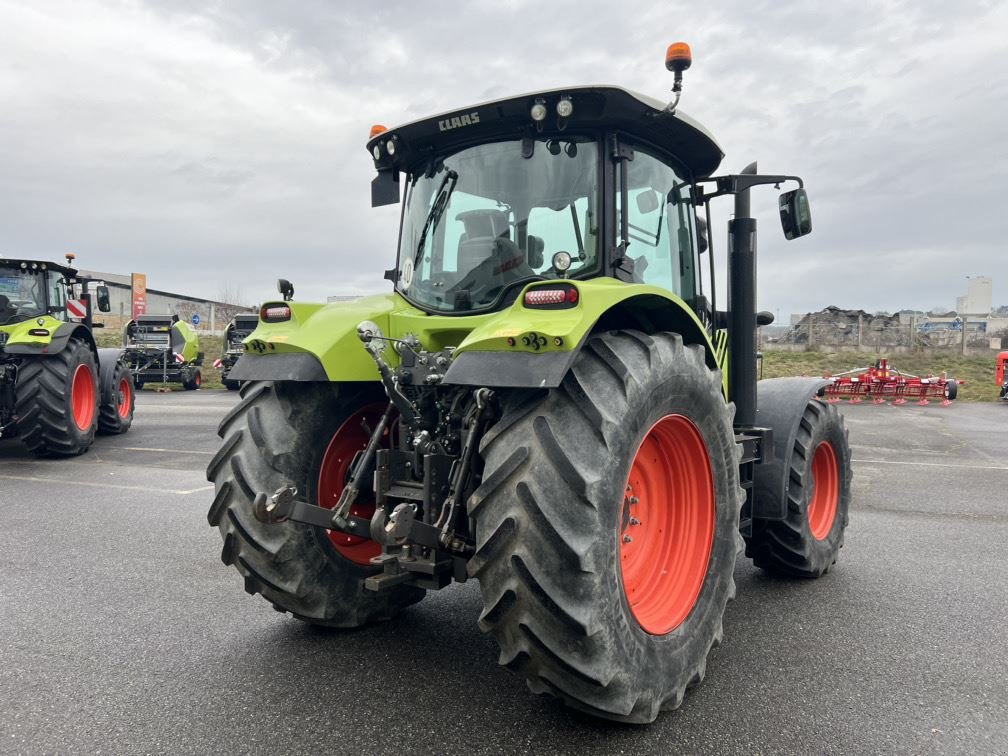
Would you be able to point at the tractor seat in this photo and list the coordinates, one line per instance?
(7, 310)
(482, 229)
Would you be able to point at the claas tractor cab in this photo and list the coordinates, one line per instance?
(1001, 376)
(163, 349)
(57, 388)
(234, 334)
(553, 399)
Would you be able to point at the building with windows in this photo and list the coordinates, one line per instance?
(212, 315)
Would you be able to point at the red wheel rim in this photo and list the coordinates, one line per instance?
(198, 380)
(348, 440)
(822, 506)
(125, 398)
(667, 526)
(82, 397)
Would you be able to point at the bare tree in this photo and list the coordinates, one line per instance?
(230, 293)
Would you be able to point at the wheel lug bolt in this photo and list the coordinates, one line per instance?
(634, 499)
(634, 521)
(627, 539)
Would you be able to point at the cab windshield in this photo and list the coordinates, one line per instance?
(485, 221)
(22, 295)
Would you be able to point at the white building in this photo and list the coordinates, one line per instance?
(978, 299)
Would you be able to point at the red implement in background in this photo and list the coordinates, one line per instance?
(882, 382)
(1001, 375)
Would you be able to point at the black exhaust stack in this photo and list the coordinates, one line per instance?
(742, 308)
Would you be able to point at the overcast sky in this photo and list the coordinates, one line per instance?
(219, 145)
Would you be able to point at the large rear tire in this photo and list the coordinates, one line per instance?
(56, 401)
(806, 543)
(280, 434)
(607, 527)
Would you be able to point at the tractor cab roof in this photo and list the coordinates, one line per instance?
(592, 108)
(36, 265)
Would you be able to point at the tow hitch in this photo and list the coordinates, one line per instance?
(399, 529)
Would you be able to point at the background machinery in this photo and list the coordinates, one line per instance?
(1002, 375)
(163, 349)
(57, 389)
(549, 401)
(237, 331)
(881, 382)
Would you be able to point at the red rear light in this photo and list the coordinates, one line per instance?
(551, 297)
(274, 313)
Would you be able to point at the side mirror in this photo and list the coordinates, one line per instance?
(701, 226)
(102, 295)
(385, 188)
(795, 214)
(286, 289)
(648, 201)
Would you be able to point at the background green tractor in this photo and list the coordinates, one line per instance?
(543, 403)
(163, 349)
(57, 389)
(236, 332)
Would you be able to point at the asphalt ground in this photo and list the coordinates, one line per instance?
(122, 632)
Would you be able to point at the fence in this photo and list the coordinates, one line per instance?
(844, 332)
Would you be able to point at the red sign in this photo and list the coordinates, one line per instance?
(76, 308)
(139, 294)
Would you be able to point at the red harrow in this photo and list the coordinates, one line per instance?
(881, 383)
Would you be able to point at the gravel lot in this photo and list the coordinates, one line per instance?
(123, 632)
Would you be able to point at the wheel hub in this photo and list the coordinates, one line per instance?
(82, 397)
(666, 525)
(824, 491)
(350, 438)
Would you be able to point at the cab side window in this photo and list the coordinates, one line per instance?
(57, 295)
(660, 224)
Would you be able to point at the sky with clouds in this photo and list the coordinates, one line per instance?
(219, 145)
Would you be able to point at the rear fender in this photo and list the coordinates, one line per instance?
(318, 343)
(534, 348)
(22, 342)
(780, 405)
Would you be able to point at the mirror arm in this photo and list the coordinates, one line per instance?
(735, 183)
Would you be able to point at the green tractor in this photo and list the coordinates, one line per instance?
(237, 331)
(163, 349)
(57, 389)
(550, 401)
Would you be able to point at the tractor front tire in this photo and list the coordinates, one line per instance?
(118, 399)
(607, 527)
(56, 401)
(281, 434)
(806, 543)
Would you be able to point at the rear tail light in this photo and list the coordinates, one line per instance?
(275, 313)
(551, 297)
